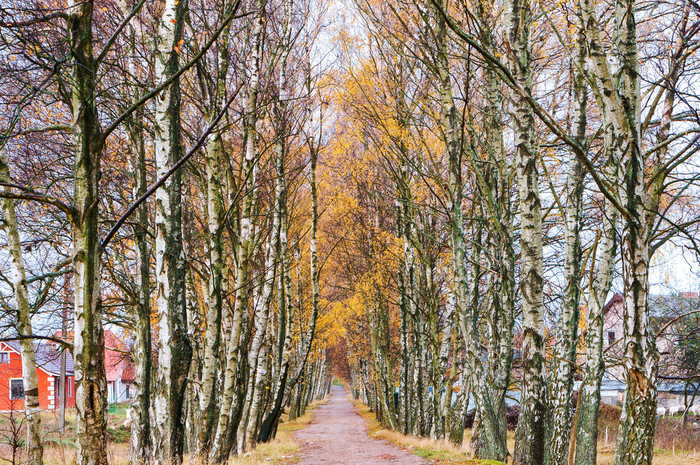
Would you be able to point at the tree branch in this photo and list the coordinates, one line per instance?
(119, 29)
(31, 22)
(170, 172)
(139, 103)
(29, 194)
(604, 186)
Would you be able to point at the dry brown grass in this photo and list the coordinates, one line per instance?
(685, 449)
(673, 442)
(59, 448)
(117, 454)
(437, 451)
(660, 458)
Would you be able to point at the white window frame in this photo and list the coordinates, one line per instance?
(21, 380)
(2, 354)
(69, 392)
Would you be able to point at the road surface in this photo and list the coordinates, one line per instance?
(337, 434)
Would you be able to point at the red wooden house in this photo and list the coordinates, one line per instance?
(48, 361)
(119, 368)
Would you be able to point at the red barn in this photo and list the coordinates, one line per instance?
(48, 361)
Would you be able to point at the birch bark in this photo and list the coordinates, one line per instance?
(495, 181)
(279, 245)
(35, 450)
(530, 432)
(225, 430)
(140, 444)
(140, 441)
(620, 105)
(88, 344)
(215, 191)
(564, 360)
(594, 367)
(247, 433)
(174, 349)
(492, 444)
(450, 123)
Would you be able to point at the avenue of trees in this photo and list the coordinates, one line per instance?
(519, 158)
(158, 170)
(425, 198)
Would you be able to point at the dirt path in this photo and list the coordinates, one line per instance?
(338, 435)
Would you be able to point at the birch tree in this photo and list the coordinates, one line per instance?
(620, 107)
(140, 442)
(224, 436)
(35, 450)
(494, 179)
(530, 433)
(88, 345)
(491, 442)
(565, 347)
(174, 350)
(215, 198)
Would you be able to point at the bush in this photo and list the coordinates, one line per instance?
(512, 415)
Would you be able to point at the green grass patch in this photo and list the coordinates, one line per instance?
(118, 435)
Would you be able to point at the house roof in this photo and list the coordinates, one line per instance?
(678, 387)
(616, 299)
(118, 362)
(48, 357)
(612, 385)
(672, 387)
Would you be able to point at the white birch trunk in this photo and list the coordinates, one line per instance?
(225, 429)
(530, 432)
(140, 440)
(564, 360)
(174, 349)
(594, 367)
(620, 106)
(246, 429)
(8, 223)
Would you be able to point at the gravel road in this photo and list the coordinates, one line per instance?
(337, 434)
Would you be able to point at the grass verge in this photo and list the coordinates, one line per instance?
(284, 448)
(59, 448)
(436, 451)
(683, 448)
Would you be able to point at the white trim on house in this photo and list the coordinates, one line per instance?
(118, 391)
(9, 348)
